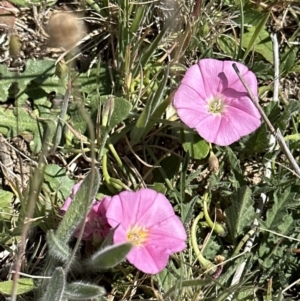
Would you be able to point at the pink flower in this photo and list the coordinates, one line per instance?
(212, 100)
(147, 219)
(96, 226)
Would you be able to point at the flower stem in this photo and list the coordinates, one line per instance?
(114, 185)
(115, 154)
(206, 264)
(217, 227)
(104, 169)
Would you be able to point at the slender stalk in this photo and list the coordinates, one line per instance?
(206, 264)
(218, 228)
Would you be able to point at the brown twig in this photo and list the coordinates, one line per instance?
(277, 133)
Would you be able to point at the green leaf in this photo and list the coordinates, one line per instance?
(58, 249)
(235, 168)
(56, 286)
(5, 205)
(122, 108)
(241, 213)
(25, 285)
(5, 83)
(197, 147)
(287, 60)
(160, 187)
(277, 216)
(292, 109)
(58, 181)
(83, 291)
(227, 45)
(19, 122)
(96, 82)
(109, 257)
(257, 142)
(38, 79)
(187, 211)
(80, 204)
(258, 40)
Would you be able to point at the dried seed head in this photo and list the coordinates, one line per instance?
(65, 30)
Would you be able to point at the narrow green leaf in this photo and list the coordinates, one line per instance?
(241, 213)
(56, 286)
(186, 283)
(139, 14)
(154, 45)
(25, 285)
(83, 291)
(56, 248)
(153, 109)
(109, 257)
(80, 204)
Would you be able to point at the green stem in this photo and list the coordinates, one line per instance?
(115, 154)
(217, 227)
(117, 183)
(206, 264)
(105, 170)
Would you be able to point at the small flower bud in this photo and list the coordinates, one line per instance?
(213, 162)
(14, 46)
(61, 70)
(108, 108)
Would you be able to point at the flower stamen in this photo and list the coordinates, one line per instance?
(216, 105)
(137, 235)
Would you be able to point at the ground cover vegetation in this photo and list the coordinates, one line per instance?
(149, 150)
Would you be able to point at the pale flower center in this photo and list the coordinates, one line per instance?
(137, 235)
(216, 105)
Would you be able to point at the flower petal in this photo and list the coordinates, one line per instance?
(150, 259)
(145, 207)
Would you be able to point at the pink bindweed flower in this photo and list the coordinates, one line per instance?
(96, 227)
(147, 220)
(212, 100)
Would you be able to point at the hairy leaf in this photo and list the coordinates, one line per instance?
(241, 213)
(108, 257)
(58, 249)
(80, 204)
(56, 286)
(83, 291)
